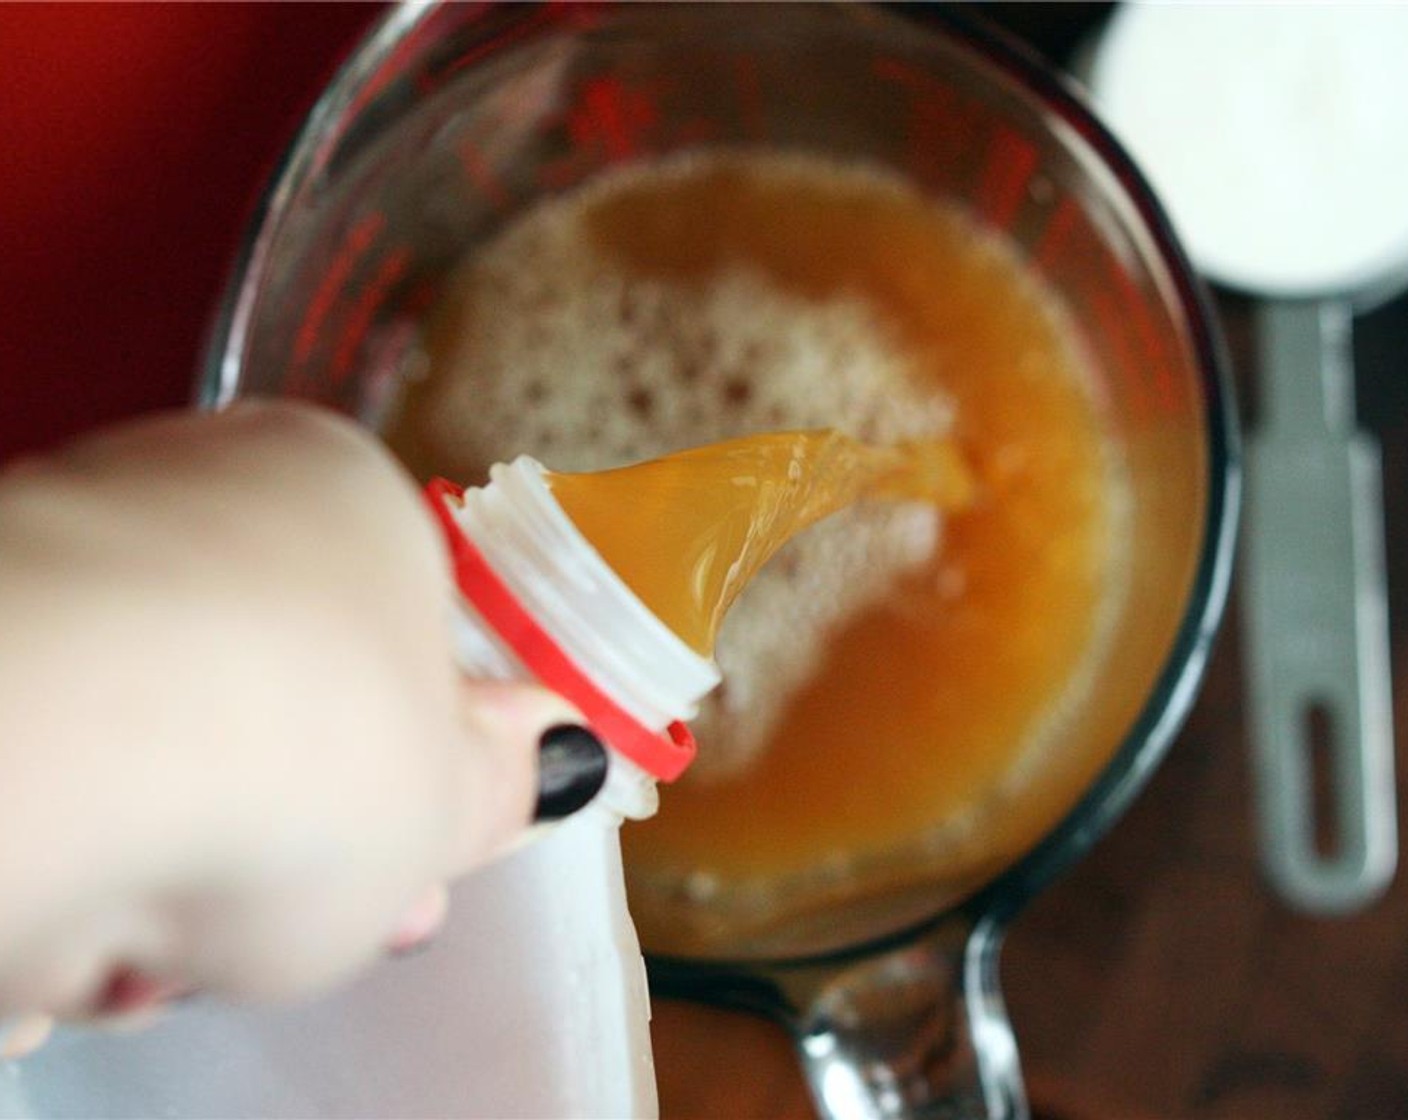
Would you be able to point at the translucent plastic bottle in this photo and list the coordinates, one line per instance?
(540, 603)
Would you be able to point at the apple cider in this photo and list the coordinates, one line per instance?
(896, 676)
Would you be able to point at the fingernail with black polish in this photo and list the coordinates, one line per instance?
(571, 771)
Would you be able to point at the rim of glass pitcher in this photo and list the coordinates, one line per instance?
(1164, 710)
(219, 376)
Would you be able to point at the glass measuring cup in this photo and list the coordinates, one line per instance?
(452, 119)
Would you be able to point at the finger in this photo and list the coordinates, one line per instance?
(516, 764)
(295, 941)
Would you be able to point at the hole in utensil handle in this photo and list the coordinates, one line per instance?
(1321, 742)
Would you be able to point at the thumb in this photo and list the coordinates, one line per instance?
(525, 757)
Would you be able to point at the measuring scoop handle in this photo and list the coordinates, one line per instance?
(1316, 620)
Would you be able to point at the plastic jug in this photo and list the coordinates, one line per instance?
(533, 1002)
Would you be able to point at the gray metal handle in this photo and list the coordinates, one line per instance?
(1316, 618)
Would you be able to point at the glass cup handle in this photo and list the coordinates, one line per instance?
(917, 1030)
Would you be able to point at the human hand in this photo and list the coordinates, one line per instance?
(236, 755)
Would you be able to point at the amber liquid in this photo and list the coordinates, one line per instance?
(686, 532)
(922, 705)
(926, 709)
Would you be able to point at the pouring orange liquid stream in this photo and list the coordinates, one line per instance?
(686, 532)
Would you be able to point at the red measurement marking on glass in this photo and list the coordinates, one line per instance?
(541, 17)
(1054, 239)
(612, 117)
(369, 302)
(1111, 317)
(1148, 342)
(333, 281)
(1074, 258)
(481, 174)
(749, 88)
(1151, 342)
(937, 124)
(1008, 167)
(1123, 316)
(608, 123)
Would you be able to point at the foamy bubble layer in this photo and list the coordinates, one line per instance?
(554, 348)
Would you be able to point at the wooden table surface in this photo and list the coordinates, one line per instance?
(1160, 978)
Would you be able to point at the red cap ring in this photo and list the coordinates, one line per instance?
(664, 756)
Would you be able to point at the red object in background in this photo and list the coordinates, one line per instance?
(134, 141)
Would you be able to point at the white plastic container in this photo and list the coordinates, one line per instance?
(533, 1001)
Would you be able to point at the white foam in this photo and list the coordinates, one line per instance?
(571, 358)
